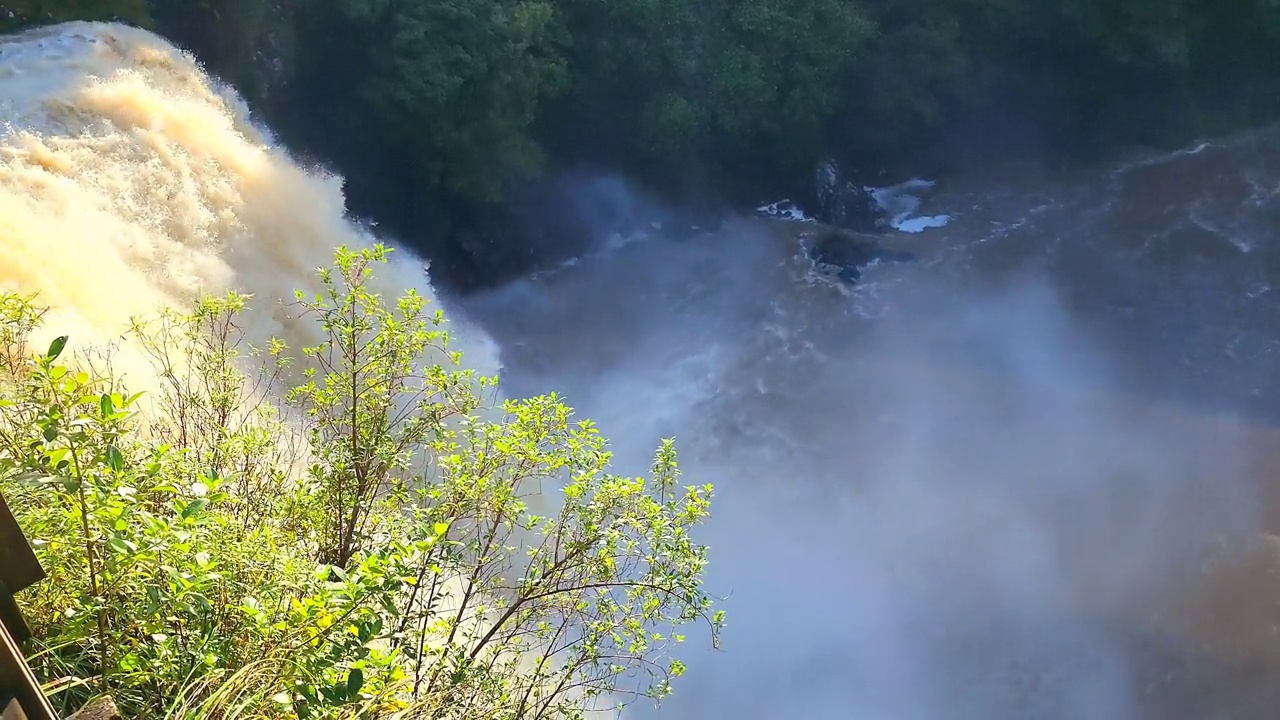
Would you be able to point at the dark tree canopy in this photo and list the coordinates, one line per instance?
(17, 14)
(435, 110)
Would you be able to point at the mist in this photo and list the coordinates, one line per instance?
(934, 497)
(937, 495)
(130, 182)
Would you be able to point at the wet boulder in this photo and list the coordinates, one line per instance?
(846, 253)
(842, 203)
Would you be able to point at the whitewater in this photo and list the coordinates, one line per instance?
(1011, 480)
(130, 182)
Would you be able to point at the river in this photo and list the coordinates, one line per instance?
(1027, 476)
(989, 484)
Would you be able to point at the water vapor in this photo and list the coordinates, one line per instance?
(935, 499)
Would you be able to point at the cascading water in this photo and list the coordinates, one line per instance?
(945, 494)
(128, 182)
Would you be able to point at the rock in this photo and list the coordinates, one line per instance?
(846, 204)
(103, 708)
(847, 253)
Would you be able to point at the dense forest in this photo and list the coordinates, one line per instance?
(440, 112)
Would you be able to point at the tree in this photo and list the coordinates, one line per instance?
(230, 37)
(707, 87)
(775, 82)
(17, 14)
(427, 560)
(373, 402)
(449, 88)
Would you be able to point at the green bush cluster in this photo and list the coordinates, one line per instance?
(349, 531)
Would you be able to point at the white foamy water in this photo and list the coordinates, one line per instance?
(901, 202)
(784, 210)
(130, 182)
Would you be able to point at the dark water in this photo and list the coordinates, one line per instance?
(1173, 259)
(984, 485)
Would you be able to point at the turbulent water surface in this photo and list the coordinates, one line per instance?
(997, 483)
(1024, 477)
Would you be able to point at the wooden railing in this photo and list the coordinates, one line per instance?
(21, 697)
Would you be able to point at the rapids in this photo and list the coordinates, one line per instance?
(1028, 476)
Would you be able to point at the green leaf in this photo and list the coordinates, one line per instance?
(115, 459)
(193, 508)
(355, 681)
(56, 347)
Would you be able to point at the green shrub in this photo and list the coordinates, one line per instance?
(356, 536)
